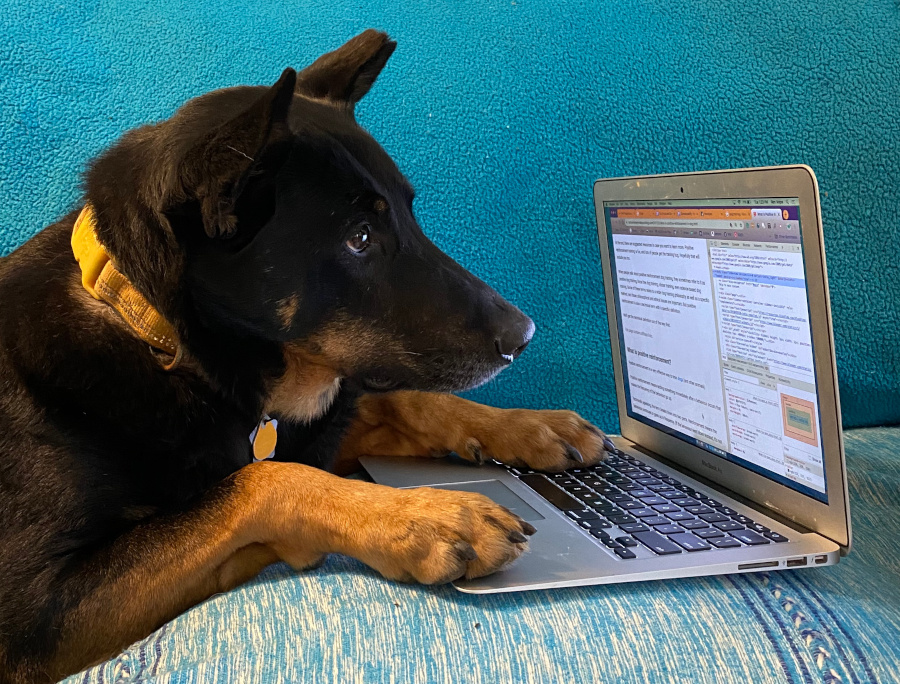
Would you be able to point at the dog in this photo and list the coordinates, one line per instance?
(242, 305)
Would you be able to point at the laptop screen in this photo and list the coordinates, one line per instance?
(714, 330)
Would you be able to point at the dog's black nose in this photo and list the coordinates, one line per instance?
(514, 339)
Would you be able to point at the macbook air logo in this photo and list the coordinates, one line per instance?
(711, 466)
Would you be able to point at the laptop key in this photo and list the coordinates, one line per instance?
(742, 519)
(621, 519)
(653, 501)
(668, 529)
(728, 526)
(584, 514)
(662, 487)
(658, 520)
(674, 494)
(626, 541)
(630, 504)
(708, 533)
(666, 508)
(756, 527)
(631, 528)
(624, 553)
(642, 494)
(616, 497)
(687, 502)
(724, 542)
(749, 537)
(713, 517)
(595, 524)
(697, 510)
(551, 492)
(642, 512)
(694, 524)
(647, 481)
(657, 543)
(678, 516)
(775, 537)
(600, 534)
(689, 542)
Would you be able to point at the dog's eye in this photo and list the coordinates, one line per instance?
(360, 239)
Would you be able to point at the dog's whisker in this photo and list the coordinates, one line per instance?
(240, 153)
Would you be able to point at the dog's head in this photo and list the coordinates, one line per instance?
(294, 227)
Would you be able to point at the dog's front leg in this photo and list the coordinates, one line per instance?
(431, 424)
(265, 512)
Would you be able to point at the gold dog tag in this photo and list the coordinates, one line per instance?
(264, 439)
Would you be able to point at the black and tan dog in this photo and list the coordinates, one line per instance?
(254, 256)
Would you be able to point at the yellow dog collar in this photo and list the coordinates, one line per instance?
(105, 282)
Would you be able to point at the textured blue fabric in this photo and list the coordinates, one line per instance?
(343, 623)
(503, 112)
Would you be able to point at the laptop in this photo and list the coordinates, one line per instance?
(731, 456)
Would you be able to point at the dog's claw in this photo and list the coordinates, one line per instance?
(474, 449)
(573, 454)
(527, 528)
(608, 443)
(465, 551)
(517, 537)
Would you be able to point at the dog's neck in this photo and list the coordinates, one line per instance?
(104, 282)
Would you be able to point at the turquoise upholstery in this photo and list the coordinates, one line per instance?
(343, 623)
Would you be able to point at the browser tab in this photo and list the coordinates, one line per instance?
(775, 213)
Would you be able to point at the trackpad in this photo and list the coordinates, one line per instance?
(498, 493)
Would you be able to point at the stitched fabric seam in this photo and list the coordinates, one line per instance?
(766, 628)
(859, 654)
(784, 632)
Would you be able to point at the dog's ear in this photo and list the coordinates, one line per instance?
(345, 75)
(216, 169)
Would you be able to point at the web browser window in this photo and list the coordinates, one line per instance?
(714, 330)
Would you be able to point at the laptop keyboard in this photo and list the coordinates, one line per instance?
(623, 502)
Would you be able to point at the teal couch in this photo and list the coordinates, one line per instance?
(502, 113)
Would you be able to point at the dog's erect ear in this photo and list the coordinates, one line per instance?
(345, 75)
(217, 168)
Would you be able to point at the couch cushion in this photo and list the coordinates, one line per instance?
(343, 623)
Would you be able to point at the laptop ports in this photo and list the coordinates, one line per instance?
(796, 562)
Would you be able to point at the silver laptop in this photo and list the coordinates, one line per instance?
(731, 458)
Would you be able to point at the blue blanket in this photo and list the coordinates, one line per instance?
(502, 113)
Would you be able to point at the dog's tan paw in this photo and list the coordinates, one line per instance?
(435, 536)
(543, 440)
